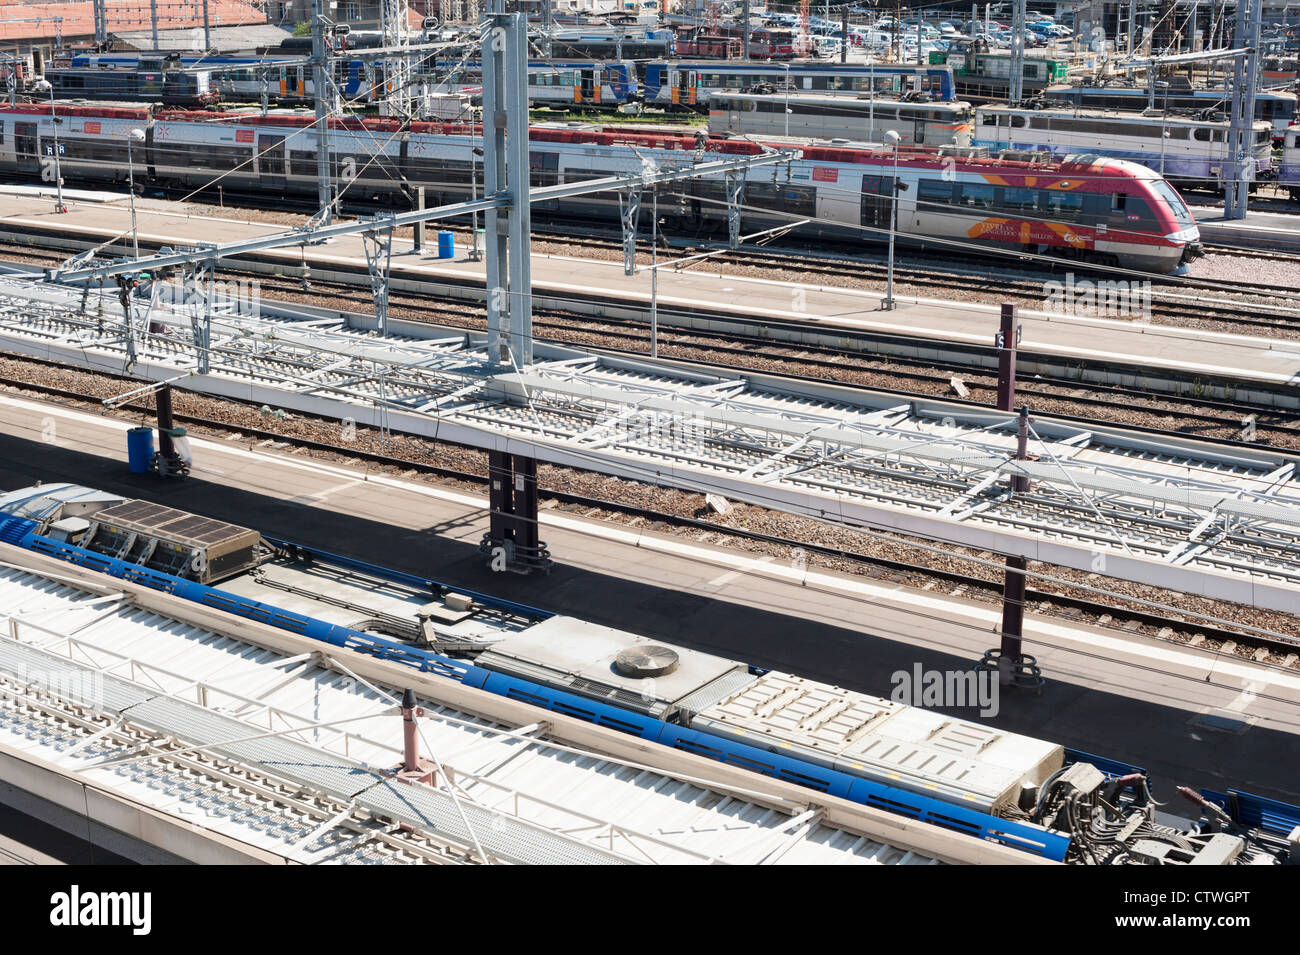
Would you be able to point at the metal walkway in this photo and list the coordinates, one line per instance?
(1177, 514)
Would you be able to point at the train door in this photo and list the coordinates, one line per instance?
(918, 128)
(835, 201)
(270, 162)
(683, 84)
(25, 147)
(587, 80)
(877, 202)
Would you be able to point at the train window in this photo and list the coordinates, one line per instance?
(545, 168)
(1173, 202)
(799, 200)
(1177, 132)
(1017, 122)
(989, 119)
(1202, 135)
(1131, 212)
(1264, 136)
(302, 164)
(975, 195)
(1065, 206)
(934, 194)
(1015, 199)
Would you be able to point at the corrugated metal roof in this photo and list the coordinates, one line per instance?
(526, 797)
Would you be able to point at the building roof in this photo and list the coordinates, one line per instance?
(42, 20)
(226, 39)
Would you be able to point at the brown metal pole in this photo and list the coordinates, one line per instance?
(410, 736)
(1006, 342)
(1013, 608)
(166, 446)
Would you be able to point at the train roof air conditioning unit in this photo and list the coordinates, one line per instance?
(1026, 155)
(964, 152)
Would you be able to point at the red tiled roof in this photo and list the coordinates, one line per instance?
(122, 15)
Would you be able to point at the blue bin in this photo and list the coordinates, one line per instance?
(139, 450)
(446, 245)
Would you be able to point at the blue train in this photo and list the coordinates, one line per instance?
(241, 79)
(1020, 792)
(287, 81)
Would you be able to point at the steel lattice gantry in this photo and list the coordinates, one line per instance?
(1176, 514)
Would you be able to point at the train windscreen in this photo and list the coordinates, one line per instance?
(1182, 214)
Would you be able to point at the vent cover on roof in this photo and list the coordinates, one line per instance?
(644, 661)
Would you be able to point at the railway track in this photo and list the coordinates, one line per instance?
(1163, 627)
(939, 267)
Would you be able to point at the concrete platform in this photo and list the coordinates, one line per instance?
(559, 280)
(1271, 231)
(1108, 692)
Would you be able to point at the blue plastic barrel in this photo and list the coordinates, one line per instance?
(446, 245)
(139, 449)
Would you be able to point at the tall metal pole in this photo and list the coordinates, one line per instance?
(744, 42)
(888, 303)
(506, 170)
(654, 273)
(494, 181)
(131, 139)
(324, 197)
(546, 28)
(1016, 78)
(207, 28)
(1238, 164)
(844, 31)
(519, 169)
(153, 21)
(101, 24)
(58, 166)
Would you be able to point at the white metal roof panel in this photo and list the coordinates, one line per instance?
(520, 795)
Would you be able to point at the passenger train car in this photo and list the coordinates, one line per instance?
(144, 79)
(971, 777)
(1184, 149)
(691, 83)
(864, 119)
(1270, 107)
(285, 80)
(1288, 173)
(557, 82)
(980, 75)
(1084, 207)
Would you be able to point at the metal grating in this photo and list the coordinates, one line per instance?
(1173, 514)
(350, 782)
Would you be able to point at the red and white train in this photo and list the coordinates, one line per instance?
(1085, 207)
